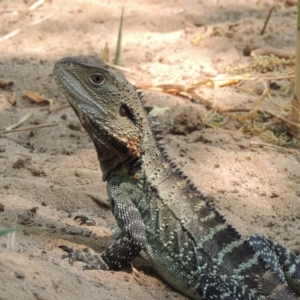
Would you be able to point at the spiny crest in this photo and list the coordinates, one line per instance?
(161, 145)
(159, 137)
(155, 125)
(157, 130)
(141, 96)
(148, 108)
(191, 185)
(174, 166)
(144, 100)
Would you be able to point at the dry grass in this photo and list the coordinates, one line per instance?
(272, 126)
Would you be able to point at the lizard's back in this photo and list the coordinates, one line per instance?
(188, 241)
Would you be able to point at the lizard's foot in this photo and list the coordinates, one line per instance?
(93, 260)
(85, 220)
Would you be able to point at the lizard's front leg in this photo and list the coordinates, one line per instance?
(122, 251)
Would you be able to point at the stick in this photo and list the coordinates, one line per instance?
(119, 68)
(292, 151)
(287, 76)
(249, 111)
(283, 119)
(291, 2)
(20, 122)
(41, 20)
(271, 50)
(9, 35)
(56, 109)
(36, 4)
(179, 88)
(295, 116)
(267, 20)
(28, 128)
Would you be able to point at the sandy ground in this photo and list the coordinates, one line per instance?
(50, 175)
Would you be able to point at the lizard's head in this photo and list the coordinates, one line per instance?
(107, 105)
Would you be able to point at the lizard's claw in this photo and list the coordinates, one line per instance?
(72, 254)
(85, 220)
(93, 260)
(66, 248)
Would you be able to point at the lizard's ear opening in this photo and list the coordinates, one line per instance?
(126, 112)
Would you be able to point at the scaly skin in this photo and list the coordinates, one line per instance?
(156, 206)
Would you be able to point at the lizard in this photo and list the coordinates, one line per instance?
(156, 206)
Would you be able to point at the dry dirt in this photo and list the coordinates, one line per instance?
(50, 175)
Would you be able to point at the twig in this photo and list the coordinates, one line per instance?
(200, 99)
(281, 53)
(190, 25)
(31, 8)
(172, 88)
(295, 115)
(190, 93)
(283, 119)
(287, 76)
(250, 112)
(119, 68)
(41, 20)
(28, 128)
(36, 4)
(56, 109)
(293, 133)
(218, 128)
(20, 122)
(9, 35)
(209, 82)
(258, 144)
(267, 20)
(291, 2)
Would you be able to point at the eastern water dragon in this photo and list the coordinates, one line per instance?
(156, 206)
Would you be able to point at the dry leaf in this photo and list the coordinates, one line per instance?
(195, 41)
(222, 80)
(36, 97)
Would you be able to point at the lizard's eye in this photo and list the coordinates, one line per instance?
(96, 79)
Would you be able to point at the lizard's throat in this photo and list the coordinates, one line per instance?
(113, 154)
(114, 157)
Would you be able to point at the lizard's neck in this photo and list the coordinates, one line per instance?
(154, 159)
(137, 167)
